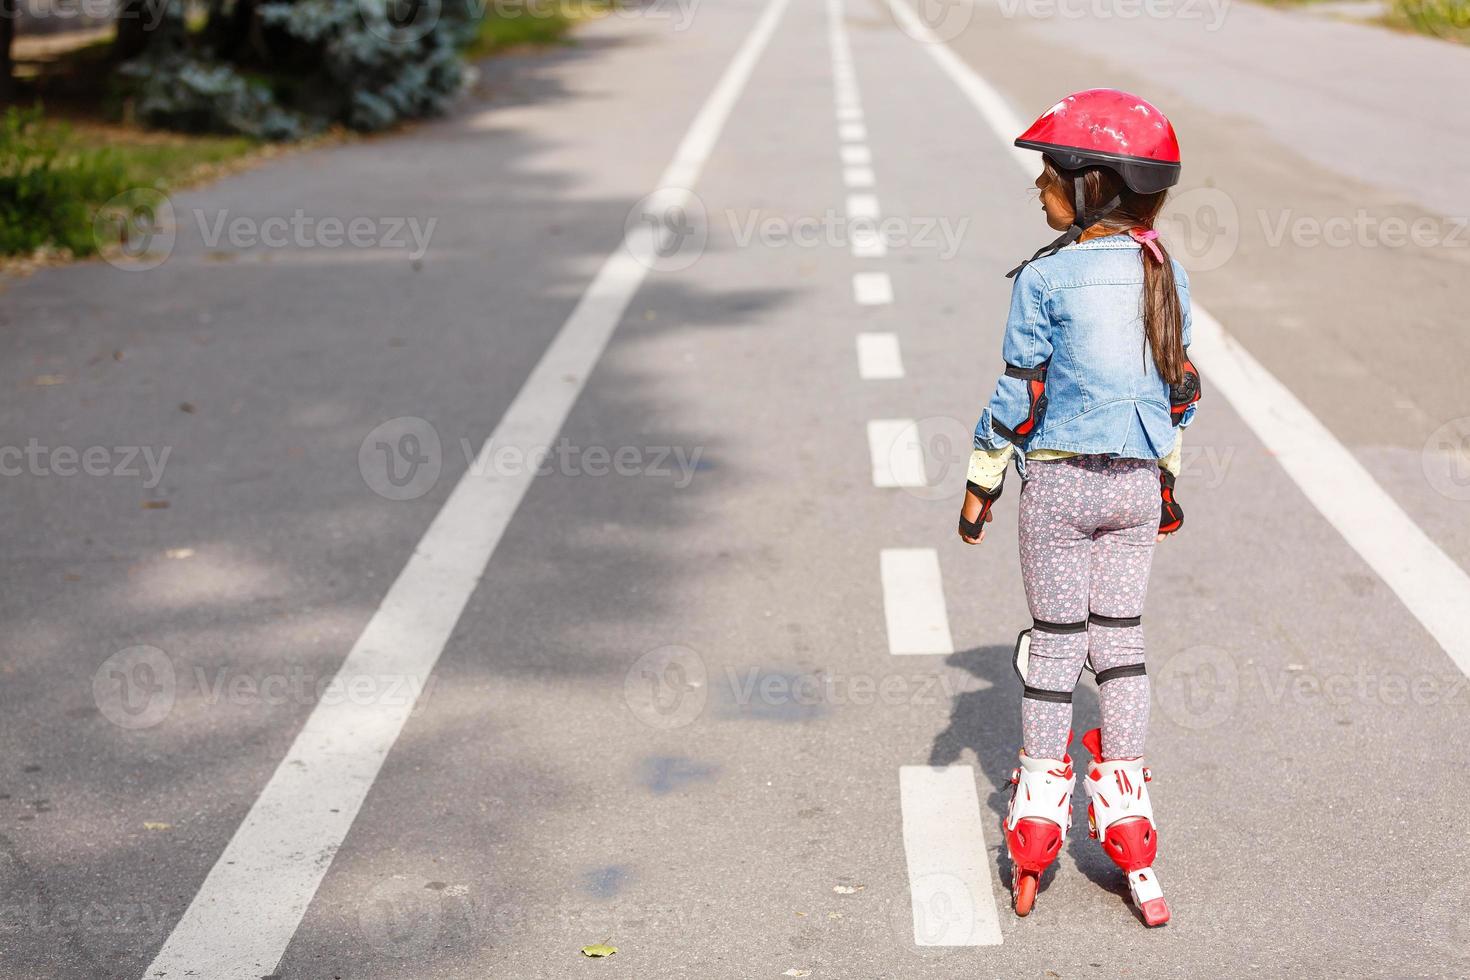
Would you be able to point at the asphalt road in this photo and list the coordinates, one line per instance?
(658, 691)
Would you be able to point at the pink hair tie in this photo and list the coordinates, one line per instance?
(1145, 237)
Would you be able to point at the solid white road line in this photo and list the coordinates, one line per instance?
(949, 870)
(913, 602)
(1427, 581)
(858, 176)
(1430, 584)
(252, 901)
(897, 457)
(856, 155)
(878, 356)
(863, 207)
(872, 288)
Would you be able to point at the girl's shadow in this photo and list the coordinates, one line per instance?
(988, 722)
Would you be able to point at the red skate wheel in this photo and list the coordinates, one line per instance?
(1155, 912)
(1025, 892)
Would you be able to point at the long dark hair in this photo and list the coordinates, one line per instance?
(1163, 318)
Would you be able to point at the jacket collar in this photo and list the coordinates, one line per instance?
(1119, 240)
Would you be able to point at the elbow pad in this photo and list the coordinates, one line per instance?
(1186, 393)
(1171, 515)
(1035, 379)
(972, 529)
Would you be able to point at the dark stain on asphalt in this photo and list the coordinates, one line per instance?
(768, 695)
(663, 774)
(606, 882)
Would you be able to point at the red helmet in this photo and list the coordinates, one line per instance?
(1103, 127)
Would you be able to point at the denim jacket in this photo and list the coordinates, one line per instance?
(1078, 313)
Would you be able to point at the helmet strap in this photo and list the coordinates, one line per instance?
(1082, 219)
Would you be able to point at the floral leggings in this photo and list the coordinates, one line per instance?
(1087, 530)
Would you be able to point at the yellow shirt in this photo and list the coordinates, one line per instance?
(988, 466)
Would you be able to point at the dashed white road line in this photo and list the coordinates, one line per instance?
(849, 113)
(897, 457)
(858, 176)
(862, 207)
(852, 132)
(856, 155)
(872, 288)
(1430, 584)
(878, 357)
(868, 242)
(949, 868)
(913, 602)
(254, 897)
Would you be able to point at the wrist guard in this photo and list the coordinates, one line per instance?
(972, 529)
(1171, 515)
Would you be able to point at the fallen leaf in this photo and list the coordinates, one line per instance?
(187, 407)
(848, 889)
(179, 553)
(156, 825)
(155, 505)
(599, 950)
(797, 973)
(43, 380)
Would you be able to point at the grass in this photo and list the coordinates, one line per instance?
(1448, 19)
(58, 169)
(541, 23)
(55, 175)
(155, 159)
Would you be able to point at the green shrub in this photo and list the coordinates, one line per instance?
(48, 192)
(370, 71)
(173, 90)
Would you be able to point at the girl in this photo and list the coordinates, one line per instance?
(1096, 390)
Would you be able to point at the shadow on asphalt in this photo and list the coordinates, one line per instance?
(987, 722)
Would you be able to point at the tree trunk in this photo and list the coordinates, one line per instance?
(8, 14)
(132, 29)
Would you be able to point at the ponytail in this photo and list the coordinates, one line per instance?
(1163, 317)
